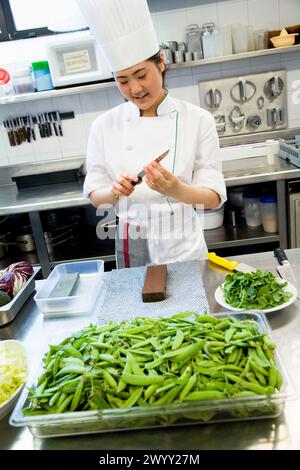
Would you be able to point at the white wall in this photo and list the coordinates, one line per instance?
(170, 18)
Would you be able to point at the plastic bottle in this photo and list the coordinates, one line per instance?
(269, 213)
(252, 209)
(41, 76)
(207, 44)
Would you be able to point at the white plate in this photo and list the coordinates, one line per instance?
(219, 296)
(13, 345)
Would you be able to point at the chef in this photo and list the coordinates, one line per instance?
(158, 222)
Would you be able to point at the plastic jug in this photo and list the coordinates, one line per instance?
(269, 213)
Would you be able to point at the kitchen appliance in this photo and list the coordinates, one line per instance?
(294, 213)
(246, 104)
(284, 268)
(74, 60)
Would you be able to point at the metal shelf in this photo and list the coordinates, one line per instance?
(233, 57)
(227, 236)
(111, 83)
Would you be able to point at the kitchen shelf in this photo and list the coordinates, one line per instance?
(227, 236)
(111, 83)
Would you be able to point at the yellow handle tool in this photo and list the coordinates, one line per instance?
(231, 265)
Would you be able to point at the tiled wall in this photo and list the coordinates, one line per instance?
(170, 19)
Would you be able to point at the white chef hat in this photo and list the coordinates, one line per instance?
(123, 29)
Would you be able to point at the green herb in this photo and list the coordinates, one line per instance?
(256, 290)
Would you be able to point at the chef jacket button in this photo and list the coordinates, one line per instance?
(129, 147)
(128, 119)
(172, 116)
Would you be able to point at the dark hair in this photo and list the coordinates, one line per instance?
(156, 59)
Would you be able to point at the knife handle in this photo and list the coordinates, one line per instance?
(280, 255)
(231, 265)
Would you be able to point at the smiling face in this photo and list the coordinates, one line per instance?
(142, 84)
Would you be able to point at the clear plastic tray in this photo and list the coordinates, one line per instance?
(177, 414)
(87, 290)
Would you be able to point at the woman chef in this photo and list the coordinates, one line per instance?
(157, 220)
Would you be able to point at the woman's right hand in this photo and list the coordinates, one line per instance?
(123, 186)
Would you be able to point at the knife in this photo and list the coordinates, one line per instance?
(284, 268)
(142, 173)
(231, 265)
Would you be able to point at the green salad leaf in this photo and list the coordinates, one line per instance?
(257, 290)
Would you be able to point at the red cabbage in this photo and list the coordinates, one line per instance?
(23, 267)
(7, 282)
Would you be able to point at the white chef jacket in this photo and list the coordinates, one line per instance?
(122, 142)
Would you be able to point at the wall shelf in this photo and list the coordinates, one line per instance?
(111, 83)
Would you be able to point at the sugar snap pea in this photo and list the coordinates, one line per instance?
(149, 361)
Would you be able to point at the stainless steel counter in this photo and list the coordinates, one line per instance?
(280, 433)
(53, 196)
(57, 196)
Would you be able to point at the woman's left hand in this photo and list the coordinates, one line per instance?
(161, 180)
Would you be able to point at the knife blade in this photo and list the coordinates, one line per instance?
(284, 268)
(230, 265)
(142, 173)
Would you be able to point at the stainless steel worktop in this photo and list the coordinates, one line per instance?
(57, 196)
(52, 196)
(279, 433)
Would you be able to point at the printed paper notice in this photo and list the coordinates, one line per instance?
(78, 61)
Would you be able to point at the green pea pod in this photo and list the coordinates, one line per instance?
(72, 351)
(150, 390)
(279, 380)
(54, 398)
(133, 398)
(229, 334)
(74, 369)
(272, 378)
(65, 404)
(207, 319)
(258, 389)
(77, 395)
(110, 380)
(205, 395)
(141, 380)
(178, 340)
(153, 364)
(188, 387)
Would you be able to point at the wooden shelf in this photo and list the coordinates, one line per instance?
(111, 83)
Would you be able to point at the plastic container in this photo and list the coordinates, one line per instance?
(41, 76)
(252, 209)
(22, 81)
(213, 218)
(269, 213)
(6, 87)
(175, 414)
(87, 289)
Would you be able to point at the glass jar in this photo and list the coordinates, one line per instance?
(22, 81)
(252, 209)
(41, 76)
(269, 213)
